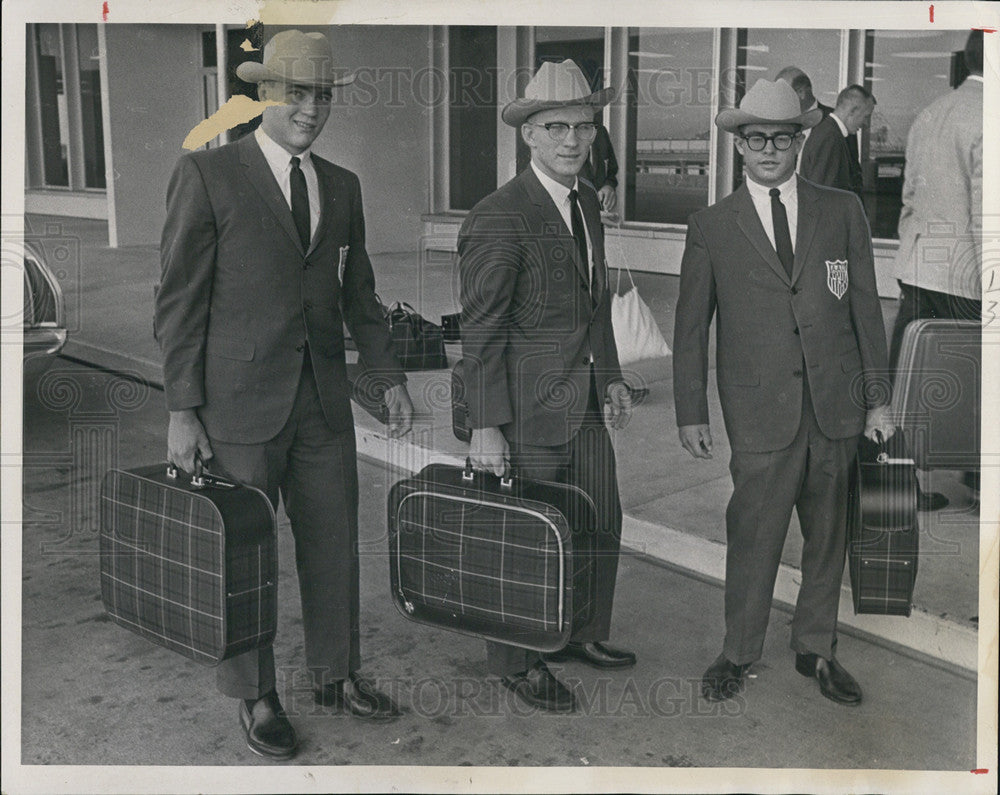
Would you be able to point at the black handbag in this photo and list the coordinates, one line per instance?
(418, 343)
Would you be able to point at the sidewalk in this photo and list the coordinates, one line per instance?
(674, 505)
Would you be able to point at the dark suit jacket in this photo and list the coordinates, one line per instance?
(772, 331)
(239, 299)
(827, 159)
(529, 323)
(601, 167)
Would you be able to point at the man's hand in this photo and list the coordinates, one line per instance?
(879, 420)
(488, 450)
(185, 437)
(618, 405)
(696, 439)
(397, 400)
(608, 198)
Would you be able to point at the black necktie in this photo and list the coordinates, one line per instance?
(578, 234)
(300, 203)
(782, 238)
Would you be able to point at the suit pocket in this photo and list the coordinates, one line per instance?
(229, 348)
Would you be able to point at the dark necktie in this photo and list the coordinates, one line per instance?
(300, 203)
(578, 234)
(782, 238)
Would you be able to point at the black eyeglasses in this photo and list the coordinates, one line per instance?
(558, 130)
(758, 141)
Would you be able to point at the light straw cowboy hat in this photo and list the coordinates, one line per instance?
(555, 85)
(768, 103)
(295, 57)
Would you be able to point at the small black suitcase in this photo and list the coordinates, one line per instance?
(883, 537)
(492, 557)
(189, 562)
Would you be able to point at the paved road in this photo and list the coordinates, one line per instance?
(95, 694)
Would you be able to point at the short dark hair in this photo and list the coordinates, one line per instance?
(854, 94)
(974, 52)
(802, 83)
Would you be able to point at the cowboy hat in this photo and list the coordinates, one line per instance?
(768, 103)
(294, 57)
(555, 85)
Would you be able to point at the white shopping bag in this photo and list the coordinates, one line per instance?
(636, 333)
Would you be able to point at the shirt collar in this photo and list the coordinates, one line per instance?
(840, 124)
(758, 191)
(556, 190)
(276, 155)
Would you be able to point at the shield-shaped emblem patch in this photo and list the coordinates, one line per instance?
(836, 277)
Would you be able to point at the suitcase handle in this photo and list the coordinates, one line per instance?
(200, 479)
(506, 479)
(883, 452)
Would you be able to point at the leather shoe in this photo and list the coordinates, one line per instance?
(834, 682)
(539, 688)
(267, 730)
(359, 697)
(723, 679)
(597, 654)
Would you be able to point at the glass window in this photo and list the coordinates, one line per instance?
(91, 121)
(669, 116)
(52, 105)
(472, 118)
(906, 70)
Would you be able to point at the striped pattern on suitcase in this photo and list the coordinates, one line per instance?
(495, 565)
(192, 570)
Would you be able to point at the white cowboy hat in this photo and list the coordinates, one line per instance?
(555, 85)
(295, 57)
(768, 103)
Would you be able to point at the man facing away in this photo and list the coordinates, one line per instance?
(827, 155)
(942, 209)
(263, 260)
(800, 345)
(542, 372)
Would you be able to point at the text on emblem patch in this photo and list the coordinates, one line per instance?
(836, 277)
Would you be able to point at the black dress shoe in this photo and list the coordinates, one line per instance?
(723, 679)
(598, 654)
(834, 682)
(267, 730)
(539, 688)
(359, 697)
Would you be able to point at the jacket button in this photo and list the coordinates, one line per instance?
(794, 291)
(797, 373)
(300, 348)
(796, 331)
(307, 306)
(585, 360)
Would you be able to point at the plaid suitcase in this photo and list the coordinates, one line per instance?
(189, 563)
(472, 553)
(936, 392)
(883, 538)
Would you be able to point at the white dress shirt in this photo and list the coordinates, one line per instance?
(762, 203)
(280, 161)
(560, 195)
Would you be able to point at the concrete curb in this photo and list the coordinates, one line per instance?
(926, 635)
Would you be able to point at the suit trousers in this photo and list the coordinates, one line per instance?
(315, 472)
(811, 476)
(587, 461)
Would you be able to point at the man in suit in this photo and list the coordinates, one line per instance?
(800, 81)
(943, 208)
(827, 156)
(542, 373)
(263, 260)
(601, 169)
(800, 348)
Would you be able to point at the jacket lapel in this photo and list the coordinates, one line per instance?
(805, 226)
(749, 222)
(327, 196)
(261, 177)
(553, 224)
